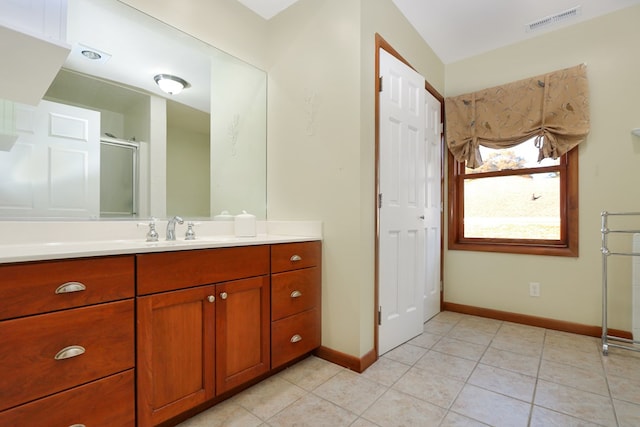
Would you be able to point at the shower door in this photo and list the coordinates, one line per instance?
(118, 178)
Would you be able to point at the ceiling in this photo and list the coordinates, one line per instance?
(134, 48)
(138, 46)
(458, 29)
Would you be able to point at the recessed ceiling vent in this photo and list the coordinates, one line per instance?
(574, 12)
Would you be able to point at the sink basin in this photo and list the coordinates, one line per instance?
(199, 239)
(214, 239)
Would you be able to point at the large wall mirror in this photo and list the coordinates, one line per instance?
(107, 142)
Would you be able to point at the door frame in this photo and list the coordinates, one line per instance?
(381, 43)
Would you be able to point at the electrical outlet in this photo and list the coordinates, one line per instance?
(534, 289)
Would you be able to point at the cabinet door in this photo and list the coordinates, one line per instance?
(242, 331)
(176, 345)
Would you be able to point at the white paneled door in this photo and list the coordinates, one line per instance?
(433, 206)
(402, 184)
(53, 170)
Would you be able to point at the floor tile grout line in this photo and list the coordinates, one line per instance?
(466, 381)
(535, 387)
(360, 376)
(479, 362)
(413, 365)
(606, 378)
(453, 400)
(305, 393)
(542, 359)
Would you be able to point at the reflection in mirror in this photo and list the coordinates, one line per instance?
(111, 144)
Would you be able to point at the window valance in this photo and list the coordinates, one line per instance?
(553, 108)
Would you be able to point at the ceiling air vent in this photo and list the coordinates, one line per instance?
(554, 19)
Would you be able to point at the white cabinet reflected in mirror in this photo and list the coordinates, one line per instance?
(106, 142)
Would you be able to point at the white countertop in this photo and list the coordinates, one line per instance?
(57, 240)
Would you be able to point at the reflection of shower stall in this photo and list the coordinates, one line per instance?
(119, 177)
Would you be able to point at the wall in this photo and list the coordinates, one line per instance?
(238, 135)
(225, 24)
(187, 172)
(319, 55)
(313, 148)
(609, 173)
(321, 142)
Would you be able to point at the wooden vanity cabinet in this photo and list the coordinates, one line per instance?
(204, 331)
(203, 323)
(295, 299)
(67, 347)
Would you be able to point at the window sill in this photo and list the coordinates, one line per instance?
(516, 248)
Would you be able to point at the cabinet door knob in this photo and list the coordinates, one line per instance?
(295, 258)
(296, 338)
(296, 294)
(69, 352)
(223, 295)
(211, 298)
(77, 425)
(69, 287)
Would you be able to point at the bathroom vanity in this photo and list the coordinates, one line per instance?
(174, 328)
(67, 348)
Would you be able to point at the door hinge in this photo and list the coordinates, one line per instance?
(379, 200)
(380, 84)
(379, 315)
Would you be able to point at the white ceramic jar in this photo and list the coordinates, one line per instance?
(245, 225)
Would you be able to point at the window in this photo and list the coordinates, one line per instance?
(514, 204)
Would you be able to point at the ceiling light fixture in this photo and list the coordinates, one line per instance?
(172, 85)
(91, 54)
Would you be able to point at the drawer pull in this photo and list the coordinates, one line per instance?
(69, 352)
(296, 338)
(67, 288)
(295, 258)
(296, 294)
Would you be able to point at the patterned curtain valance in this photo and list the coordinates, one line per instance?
(553, 108)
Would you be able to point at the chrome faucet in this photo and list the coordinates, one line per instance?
(171, 227)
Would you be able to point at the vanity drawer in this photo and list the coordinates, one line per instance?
(104, 403)
(292, 256)
(39, 287)
(294, 292)
(169, 271)
(30, 345)
(294, 336)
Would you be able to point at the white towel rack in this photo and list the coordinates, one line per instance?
(606, 253)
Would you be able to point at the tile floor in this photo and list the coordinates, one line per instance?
(462, 371)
